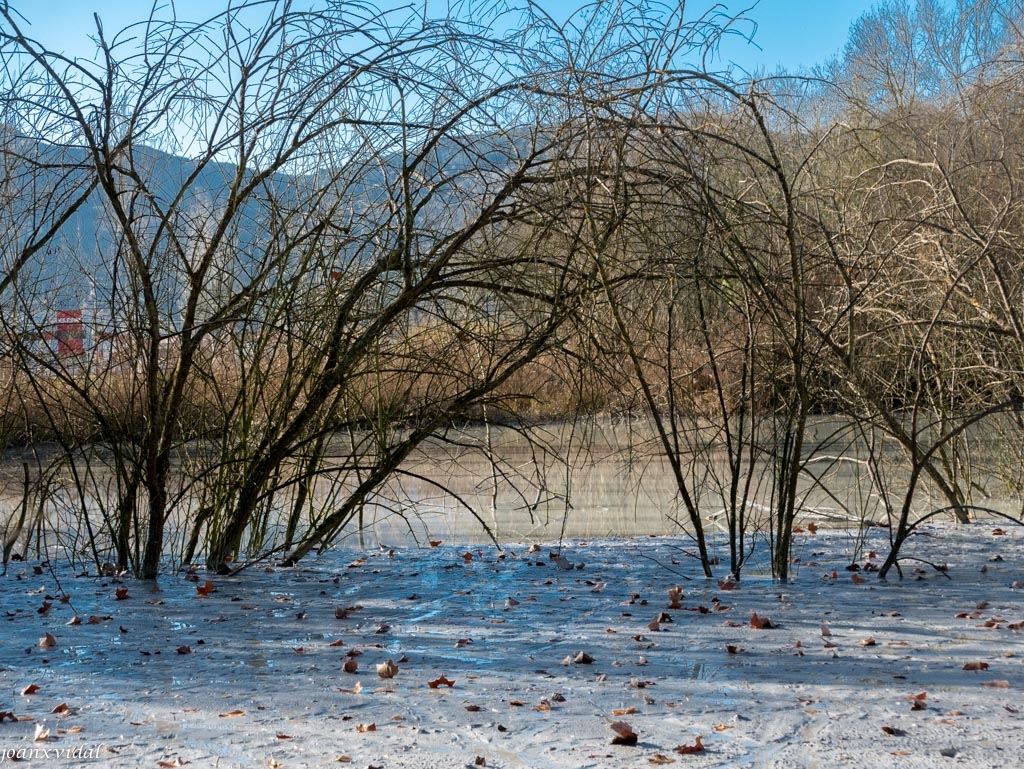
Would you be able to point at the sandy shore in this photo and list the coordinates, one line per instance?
(543, 657)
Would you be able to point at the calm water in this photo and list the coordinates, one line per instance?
(605, 480)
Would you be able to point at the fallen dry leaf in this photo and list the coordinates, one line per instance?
(624, 734)
(442, 681)
(675, 595)
(30, 689)
(48, 641)
(121, 594)
(42, 734)
(624, 711)
(582, 658)
(997, 684)
(696, 747)
(232, 714)
(206, 588)
(350, 666)
(976, 666)
(659, 759)
(761, 623)
(387, 669)
(364, 728)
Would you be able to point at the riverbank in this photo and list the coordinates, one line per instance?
(522, 659)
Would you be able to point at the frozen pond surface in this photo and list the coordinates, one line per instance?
(851, 674)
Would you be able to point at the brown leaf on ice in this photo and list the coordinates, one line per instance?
(341, 613)
(812, 527)
(5, 714)
(893, 731)
(976, 666)
(727, 584)
(696, 747)
(364, 728)
(344, 759)
(624, 734)
(761, 623)
(624, 711)
(997, 684)
(723, 727)
(98, 619)
(336, 642)
(63, 709)
(47, 641)
(236, 713)
(387, 669)
(350, 666)
(30, 689)
(918, 705)
(436, 542)
(467, 556)
(121, 594)
(76, 620)
(206, 588)
(675, 595)
(282, 736)
(442, 681)
(857, 579)
(869, 641)
(45, 608)
(473, 708)
(171, 764)
(582, 658)
(825, 630)
(184, 649)
(733, 649)
(42, 734)
(658, 759)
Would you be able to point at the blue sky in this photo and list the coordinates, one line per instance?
(790, 33)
